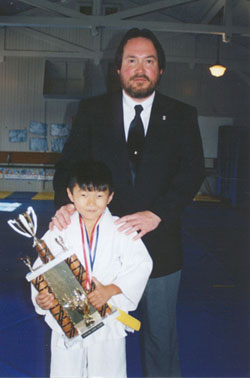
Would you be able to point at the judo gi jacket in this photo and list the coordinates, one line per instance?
(119, 260)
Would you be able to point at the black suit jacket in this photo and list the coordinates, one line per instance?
(169, 175)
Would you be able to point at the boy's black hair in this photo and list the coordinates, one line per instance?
(90, 175)
(136, 33)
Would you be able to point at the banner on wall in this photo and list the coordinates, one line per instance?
(41, 174)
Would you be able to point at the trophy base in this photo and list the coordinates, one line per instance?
(91, 330)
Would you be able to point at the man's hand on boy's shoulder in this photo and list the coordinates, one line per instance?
(102, 293)
(141, 222)
(61, 219)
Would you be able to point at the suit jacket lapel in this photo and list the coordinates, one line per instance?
(118, 135)
(117, 119)
(157, 139)
(159, 119)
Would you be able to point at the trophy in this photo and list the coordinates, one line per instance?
(65, 277)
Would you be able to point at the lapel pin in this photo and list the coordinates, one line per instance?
(164, 118)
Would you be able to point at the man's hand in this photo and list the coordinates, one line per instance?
(142, 222)
(102, 293)
(61, 219)
(45, 300)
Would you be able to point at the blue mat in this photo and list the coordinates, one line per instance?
(212, 308)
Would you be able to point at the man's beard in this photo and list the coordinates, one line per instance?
(136, 91)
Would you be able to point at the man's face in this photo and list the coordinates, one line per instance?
(139, 72)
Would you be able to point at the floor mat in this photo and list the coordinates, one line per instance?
(44, 196)
(4, 195)
(212, 308)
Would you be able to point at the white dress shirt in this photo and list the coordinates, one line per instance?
(129, 111)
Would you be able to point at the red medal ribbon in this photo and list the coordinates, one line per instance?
(89, 242)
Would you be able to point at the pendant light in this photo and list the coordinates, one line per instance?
(217, 69)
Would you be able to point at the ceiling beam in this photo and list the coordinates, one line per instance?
(228, 17)
(213, 11)
(132, 12)
(148, 8)
(2, 43)
(97, 21)
(50, 38)
(50, 54)
(55, 7)
(97, 33)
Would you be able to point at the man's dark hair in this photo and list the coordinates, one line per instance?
(90, 175)
(144, 33)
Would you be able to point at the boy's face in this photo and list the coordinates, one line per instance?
(90, 204)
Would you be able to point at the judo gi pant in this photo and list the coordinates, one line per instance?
(158, 336)
(106, 359)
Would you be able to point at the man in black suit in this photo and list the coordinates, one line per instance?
(157, 171)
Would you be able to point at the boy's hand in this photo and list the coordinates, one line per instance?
(45, 300)
(102, 293)
(61, 219)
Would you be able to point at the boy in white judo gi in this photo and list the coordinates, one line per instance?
(118, 265)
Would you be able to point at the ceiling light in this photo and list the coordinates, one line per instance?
(217, 69)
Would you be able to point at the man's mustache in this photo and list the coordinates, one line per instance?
(139, 77)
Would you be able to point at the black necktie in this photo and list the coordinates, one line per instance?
(136, 136)
(135, 140)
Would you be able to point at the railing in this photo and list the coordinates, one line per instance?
(17, 158)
